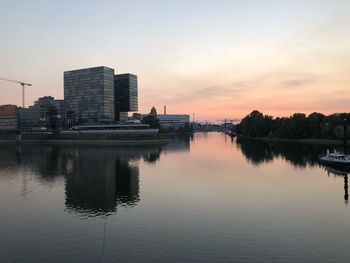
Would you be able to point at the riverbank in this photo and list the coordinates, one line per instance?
(304, 141)
(103, 139)
(98, 142)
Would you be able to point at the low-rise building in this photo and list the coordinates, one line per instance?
(46, 113)
(8, 122)
(8, 110)
(173, 120)
(8, 117)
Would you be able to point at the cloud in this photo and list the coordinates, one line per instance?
(299, 81)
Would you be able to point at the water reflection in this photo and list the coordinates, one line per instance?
(341, 173)
(299, 155)
(258, 152)
(179, 144)
(200, 203)
(97, 179)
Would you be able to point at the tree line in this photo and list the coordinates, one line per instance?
(298, 126)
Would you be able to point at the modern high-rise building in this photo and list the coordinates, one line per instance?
(125, 95)
(89, 95)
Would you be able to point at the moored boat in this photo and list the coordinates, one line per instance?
(335, 159)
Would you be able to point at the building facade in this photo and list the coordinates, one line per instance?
(89, 95)
(8, 123)
(125, 95)
(8, 110)
(46, 113)
(173, 120)
(8, 117)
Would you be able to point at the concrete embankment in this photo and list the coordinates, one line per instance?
(105, 139)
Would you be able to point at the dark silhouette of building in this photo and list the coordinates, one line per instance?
(125, 94)
(153, 111)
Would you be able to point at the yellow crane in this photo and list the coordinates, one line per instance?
(23, 84)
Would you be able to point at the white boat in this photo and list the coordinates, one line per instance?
(335, 159)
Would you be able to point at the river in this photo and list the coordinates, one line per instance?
(203, 198)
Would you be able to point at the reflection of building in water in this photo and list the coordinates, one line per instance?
(97, 182)
(127, 183)
(97, 178)
(101, 178)
(8, 156)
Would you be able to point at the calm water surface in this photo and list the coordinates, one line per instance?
(206, 198)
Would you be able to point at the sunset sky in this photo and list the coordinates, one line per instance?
(218, 59)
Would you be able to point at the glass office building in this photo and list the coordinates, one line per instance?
(89, 95)
(125, 93)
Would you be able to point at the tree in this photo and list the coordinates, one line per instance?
(152, 121)
(256, 125)
(297, 126)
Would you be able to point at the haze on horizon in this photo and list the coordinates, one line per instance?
(219, 59)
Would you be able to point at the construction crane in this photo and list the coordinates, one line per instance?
(23, 84)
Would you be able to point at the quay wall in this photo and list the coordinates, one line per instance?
(80, 138)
